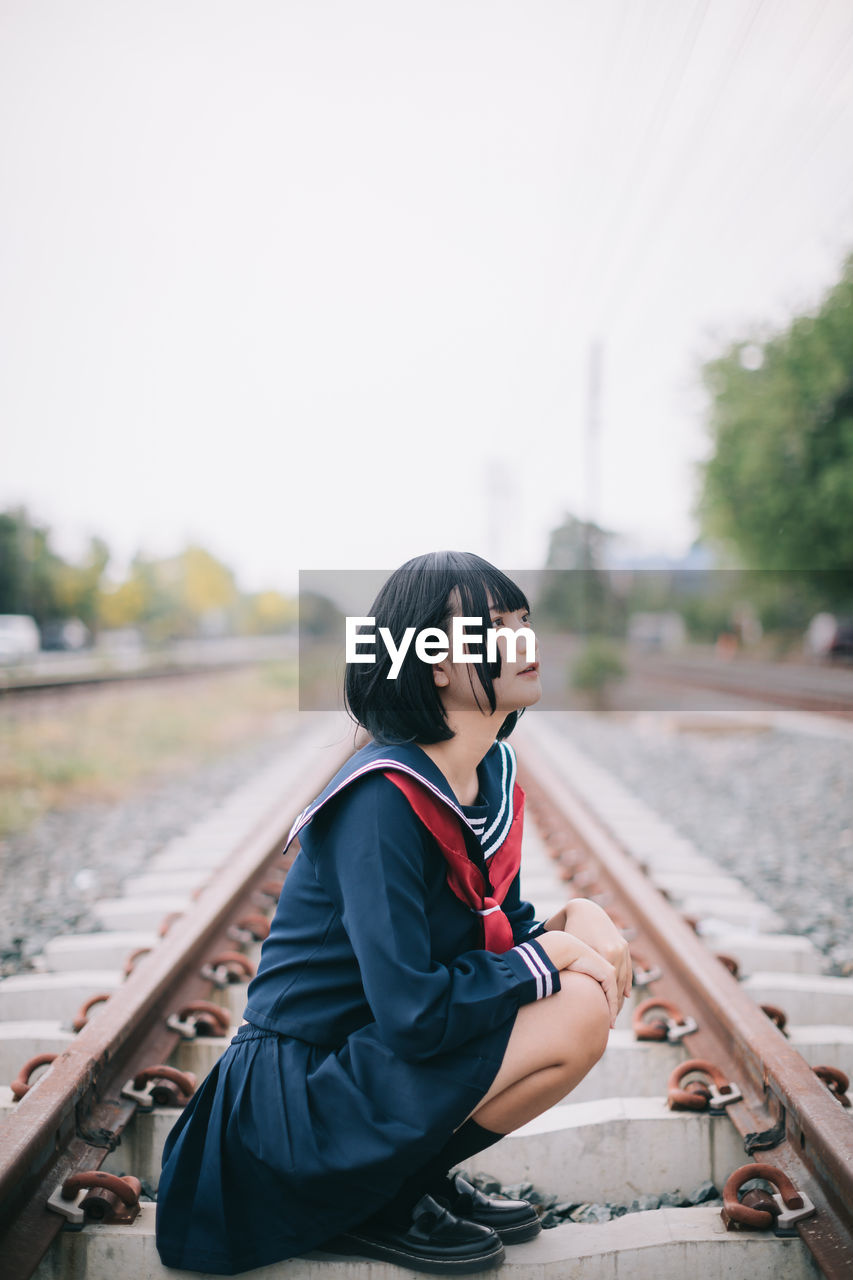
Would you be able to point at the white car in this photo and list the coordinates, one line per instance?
(19, 636)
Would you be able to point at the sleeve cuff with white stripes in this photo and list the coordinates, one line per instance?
(539, 977)
(534, 930)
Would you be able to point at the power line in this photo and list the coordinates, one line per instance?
(813, 137)
(655, 126)
(660, 213)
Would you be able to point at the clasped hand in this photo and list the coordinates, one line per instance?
(594, 946)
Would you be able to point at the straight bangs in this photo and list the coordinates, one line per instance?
(427, 592)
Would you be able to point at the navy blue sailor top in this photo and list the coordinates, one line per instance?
(367, 929)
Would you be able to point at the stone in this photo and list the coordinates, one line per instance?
(704, 1192)
(671, 1200)
(519, 1191)
(486, 1182)
(565, 1209)
(594, 1213)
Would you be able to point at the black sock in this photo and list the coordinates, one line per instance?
(468, 1139)
(431, 1178)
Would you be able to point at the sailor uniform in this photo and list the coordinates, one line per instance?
(377, 1021)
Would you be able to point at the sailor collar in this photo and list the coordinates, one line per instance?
(496, 772)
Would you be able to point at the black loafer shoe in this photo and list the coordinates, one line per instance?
(513, 1220)
(435, 1241)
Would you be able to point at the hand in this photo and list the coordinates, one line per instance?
(588, 921)
(567, 951)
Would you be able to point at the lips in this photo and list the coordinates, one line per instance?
(531, 670)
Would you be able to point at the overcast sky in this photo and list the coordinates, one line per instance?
(316, 283)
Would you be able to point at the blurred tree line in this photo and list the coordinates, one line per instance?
(777, 492)
(187, 595)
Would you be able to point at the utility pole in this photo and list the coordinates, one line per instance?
(593, 424)
(498, 486)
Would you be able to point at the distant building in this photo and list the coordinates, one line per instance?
(657, 631)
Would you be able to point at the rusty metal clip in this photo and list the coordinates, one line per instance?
(229, 966)
(21, 1084)
(251, 928)
(835, 1080)
(792, 1205)
(645, 977)
(96, 1195)
(777, 1015)
(677, 1030)
(85, 1009)
(160, 1086)
(269, 890)
(200, 1018)
(166, 923)
(644, 973)
(131, 961)
(787, 1216)
(673, 1028)
(699, 1094)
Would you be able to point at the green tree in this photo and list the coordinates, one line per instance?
(78, 587)
(777, 492)
(575, 591)
(597, 668)
(29, 567)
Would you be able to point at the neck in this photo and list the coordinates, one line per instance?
(458, 757)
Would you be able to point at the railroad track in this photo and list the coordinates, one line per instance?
(614, 1139)
(821, 689)
(61, 673)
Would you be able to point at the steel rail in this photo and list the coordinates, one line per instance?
(69, 1122)
(735, 681)
(76, 1114)
(783, 1099)
(96, 680)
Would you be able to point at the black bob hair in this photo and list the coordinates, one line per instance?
(418, 594)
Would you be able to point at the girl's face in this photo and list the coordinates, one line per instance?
(518, 684)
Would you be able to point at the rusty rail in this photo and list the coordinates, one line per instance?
(785, 1106)
(76, 1115)
(759, 683)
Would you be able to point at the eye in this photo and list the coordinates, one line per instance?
(497, 622)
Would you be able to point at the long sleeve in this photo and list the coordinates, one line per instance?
(521, 914)
(369, 857)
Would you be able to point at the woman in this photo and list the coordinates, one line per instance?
(408, 1010)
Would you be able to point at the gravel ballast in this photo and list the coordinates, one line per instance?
(54, 871)
(552, 1211)
(771, 803)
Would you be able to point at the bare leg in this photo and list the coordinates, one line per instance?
(553, 1045)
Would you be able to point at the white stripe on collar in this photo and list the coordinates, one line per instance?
(508, 772)
(307, 814)
(505, 814)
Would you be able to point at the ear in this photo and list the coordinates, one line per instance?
(440, 675)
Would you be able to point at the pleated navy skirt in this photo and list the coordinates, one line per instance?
(286, 1144)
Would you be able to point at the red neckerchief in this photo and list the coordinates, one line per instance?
(464, 876)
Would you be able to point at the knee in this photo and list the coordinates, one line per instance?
(586, 1006)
